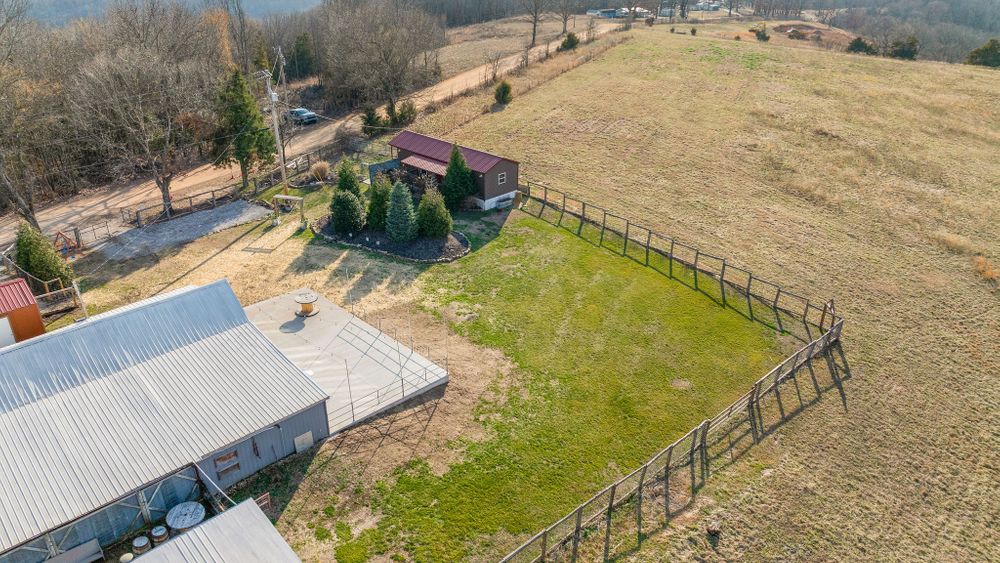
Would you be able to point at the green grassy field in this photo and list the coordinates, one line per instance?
(615, 361)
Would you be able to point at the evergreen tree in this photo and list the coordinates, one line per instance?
(987, 55)
(347, 212)
(37, 255)
(459, 183)
(378, 202)
(242, 136)
(347, 178)
(503, 94)
(860, 46)
(301, 63)
(433, 219)
(905, 49)
(400, 221)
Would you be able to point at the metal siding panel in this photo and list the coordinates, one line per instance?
(14, 295)
(111, 404)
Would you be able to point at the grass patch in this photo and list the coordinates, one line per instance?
(598, 338)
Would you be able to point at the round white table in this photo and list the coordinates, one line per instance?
(185, 516)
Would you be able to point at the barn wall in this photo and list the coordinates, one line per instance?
(266, 447)
(26, 323)
(488, 184)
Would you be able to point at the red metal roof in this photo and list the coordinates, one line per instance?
(426, 164)
(14, 295)
(437, 149)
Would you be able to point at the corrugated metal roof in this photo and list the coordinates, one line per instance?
(426, 164)
(15, 294)
(242, 534)
(440, 150)
(93, 411)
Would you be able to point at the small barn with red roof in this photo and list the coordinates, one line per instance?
(496, 176)
(20, 318)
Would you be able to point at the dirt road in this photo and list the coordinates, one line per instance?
(104, 204)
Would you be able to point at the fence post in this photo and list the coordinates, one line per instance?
(604, 222)
(666, 484)
(722, 282)
(752, 413)
(670, 262)
(583, 217)
(625, 248)
(545, 200)
(607, 528)
(545, 540)
(697, 255)
(694, 443)
(649, 236)
(213, 199)
(749, 299)
(138, 218)
(576, 532)
(562, 211)
(76, 235)
(704, 449)
(777, 317)
(638, 505)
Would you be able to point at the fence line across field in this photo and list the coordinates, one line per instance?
(785, 310)
(689, 457)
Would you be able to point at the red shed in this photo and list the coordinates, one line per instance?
(20, 318)
(496, 176)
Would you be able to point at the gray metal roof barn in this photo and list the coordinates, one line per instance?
(108, 423)
(242, 534)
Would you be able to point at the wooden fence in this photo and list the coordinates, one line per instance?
(669, 481)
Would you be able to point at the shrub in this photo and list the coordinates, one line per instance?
(760, 31)
(671, 30)
(694, 31)
(404, 115)
(348, 213)
(737, 38)
(347, 178)
(400, 221)
(905, 49)
(504, 94)
(797, 35)
(378, 202)
(985, 269)
(987, 55)
(860, 46)
(459, 182)
(320, 170)
(372, 124)
(37, 255)
(569, 42)
(433, 219)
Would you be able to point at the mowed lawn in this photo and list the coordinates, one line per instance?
(615, 361)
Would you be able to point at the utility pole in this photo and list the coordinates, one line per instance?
(272, 96)
(284, 86)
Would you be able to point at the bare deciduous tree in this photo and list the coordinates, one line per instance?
(13, 20)
(566, 9)
(535, 10)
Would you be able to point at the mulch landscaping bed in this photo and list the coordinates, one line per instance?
(421, 249)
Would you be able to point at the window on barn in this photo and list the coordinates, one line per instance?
(501, 178)
(228, 463)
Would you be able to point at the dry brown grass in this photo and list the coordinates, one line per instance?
(320, 170)
(985, 269)
(953, 242)
(468, 45)
(823, 171)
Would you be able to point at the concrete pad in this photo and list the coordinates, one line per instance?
(364, 371)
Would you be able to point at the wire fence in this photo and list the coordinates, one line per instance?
(612, 522)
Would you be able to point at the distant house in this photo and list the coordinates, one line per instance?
(609, 13)
(112, 421)
(496, 176)
(20, 318)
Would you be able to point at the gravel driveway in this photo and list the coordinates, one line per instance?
(156, 237)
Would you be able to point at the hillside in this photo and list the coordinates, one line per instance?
(61, 11)
(867, 179)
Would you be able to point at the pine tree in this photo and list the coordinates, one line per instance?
(987, 55)
(459, 183)
(400, 221)
(243, 136)
(347, 212)
(378, 203)
(36, 255)
(347, 178)
(433, 219)
(300, 64)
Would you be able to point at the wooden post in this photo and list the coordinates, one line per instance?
(722, 282)
(649, 236)
(583, 217)
(777, 316)
(562, 211)
(607, 526)
(576, 532)
(76, 235)
(191, 203)
(752, 413)
(822, 319)
(750, 299)
(670, 261)
(545, 200)
(694, 443)
(666, 484)
(706, 426)
(604, 223)
(625, 248)
(545, 540)
(697, 254)
(213, 199)
(638, 504)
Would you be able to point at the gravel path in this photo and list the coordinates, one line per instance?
(152, 239)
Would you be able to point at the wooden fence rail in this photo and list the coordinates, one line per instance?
(679, 470)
